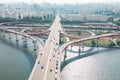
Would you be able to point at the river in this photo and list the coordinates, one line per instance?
(97, 64)
(16, 62)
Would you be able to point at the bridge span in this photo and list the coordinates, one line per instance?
(47, 67)
(48, 62)
(64, 46)
(34, 40)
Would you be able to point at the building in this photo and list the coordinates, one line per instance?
(21, 14)
(85, 17)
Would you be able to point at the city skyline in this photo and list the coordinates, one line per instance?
(61, 1)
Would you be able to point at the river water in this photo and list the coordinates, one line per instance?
(97, 64)
(16, 61)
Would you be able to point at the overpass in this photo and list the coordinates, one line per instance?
(24, 36)
(64, 46)
(48, 62)
(47, 66)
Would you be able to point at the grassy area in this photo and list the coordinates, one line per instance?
(102, 32)
(79, 34)
(103, 42)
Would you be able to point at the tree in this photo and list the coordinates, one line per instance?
(93, 43)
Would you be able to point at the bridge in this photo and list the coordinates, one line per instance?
(47, 66)
(64, 46)
(48, 62)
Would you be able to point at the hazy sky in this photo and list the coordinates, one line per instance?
(61, 1)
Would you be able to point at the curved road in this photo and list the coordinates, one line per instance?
(64, 46)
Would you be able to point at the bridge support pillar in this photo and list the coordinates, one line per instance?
(35, 47)
(33, 41)
(65, 55)
(60, 39)
(22, 37)
(9, 36)
(97, 45)
(25, 41)
(16, 37)
(83, 48)
(0, 32)
(79, 50)
(4, 34)
(71, 47)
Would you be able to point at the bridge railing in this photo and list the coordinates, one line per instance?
(64, 46)
(34, 40)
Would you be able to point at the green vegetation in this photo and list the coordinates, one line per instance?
(98, 32)
(63, 40)
(101, 43)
